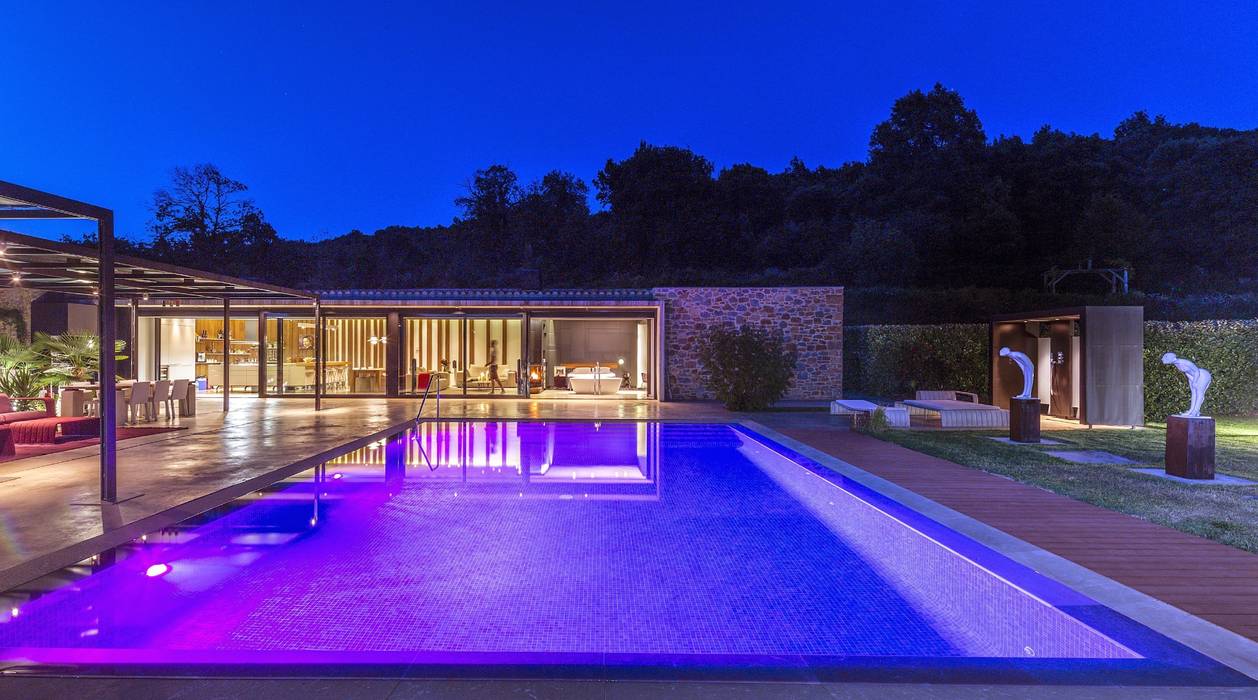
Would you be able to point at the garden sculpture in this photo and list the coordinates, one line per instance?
(1198, 381)
(1024, 364)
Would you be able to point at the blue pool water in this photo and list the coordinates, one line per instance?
(578, 548)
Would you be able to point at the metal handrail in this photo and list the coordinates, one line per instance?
(424, 399)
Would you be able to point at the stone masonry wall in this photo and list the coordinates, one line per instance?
(19, 300)
(811, 318)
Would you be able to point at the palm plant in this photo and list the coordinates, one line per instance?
(23, 370)
(73, 356)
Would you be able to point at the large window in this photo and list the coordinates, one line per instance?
(593, 358)
(192, 349)
(353, 358)
(464, 356)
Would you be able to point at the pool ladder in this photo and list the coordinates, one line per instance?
(424, 399)
(419, 417)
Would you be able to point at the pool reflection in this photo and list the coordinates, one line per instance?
(541, 458)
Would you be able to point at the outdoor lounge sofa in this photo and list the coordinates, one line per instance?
(9, 414)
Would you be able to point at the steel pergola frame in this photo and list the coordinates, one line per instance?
(52, 266)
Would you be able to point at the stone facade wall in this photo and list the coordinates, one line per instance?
(16, 299)
(811, 318)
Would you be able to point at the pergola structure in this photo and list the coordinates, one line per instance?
(100, 274)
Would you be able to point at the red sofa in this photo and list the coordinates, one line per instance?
(9, 414)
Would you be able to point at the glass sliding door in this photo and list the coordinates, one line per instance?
(192, 349)
(604, 357)
(494, 352)
(463, 356)
(354, 351)
(354, 355)
(432, 354)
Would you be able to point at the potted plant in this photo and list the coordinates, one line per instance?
(73, 356)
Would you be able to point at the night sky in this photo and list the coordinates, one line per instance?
(376, 116)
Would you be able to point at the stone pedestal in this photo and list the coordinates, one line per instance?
(1024, 420)
(1190, 447)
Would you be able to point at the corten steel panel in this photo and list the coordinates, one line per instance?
(1060, 334)
(1113, 347)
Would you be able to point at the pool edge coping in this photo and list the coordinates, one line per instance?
(45, 564)
(1203, 636)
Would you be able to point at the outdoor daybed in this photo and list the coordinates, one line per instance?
(9, 414)
(956, 413)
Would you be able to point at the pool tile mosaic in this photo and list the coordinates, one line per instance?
(565, 541)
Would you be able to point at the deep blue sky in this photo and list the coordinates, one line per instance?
(361, 115)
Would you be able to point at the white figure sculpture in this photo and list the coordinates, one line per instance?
(1024, 364)
(1198, 381)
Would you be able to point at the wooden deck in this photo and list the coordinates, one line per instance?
(1210, 580)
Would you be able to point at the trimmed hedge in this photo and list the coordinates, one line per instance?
(895, 361)
(895, 305)
(892, 362)
(1229, 349)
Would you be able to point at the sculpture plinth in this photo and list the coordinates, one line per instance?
(1190, 447)
(1024, 419)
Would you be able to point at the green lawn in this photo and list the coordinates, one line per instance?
(1227, 514)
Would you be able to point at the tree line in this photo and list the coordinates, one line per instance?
(935, 204)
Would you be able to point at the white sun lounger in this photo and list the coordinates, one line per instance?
(897, 416)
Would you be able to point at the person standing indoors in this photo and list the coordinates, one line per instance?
(493, 368)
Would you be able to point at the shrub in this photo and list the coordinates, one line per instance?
(893, 362)
(877, 423)
(748, 368)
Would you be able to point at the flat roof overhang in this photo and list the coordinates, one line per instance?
(30, 262)
(67, 268)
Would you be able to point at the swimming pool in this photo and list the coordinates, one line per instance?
(570, 549)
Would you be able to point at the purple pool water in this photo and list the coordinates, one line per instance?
(551, 543)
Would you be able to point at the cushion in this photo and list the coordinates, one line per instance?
(16, 416)
(6, 404)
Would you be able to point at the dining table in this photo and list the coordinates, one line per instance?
(75, 394)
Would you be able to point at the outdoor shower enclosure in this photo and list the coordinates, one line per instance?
(1089, 362)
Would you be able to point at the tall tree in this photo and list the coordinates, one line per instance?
(204, 216)
(554, 214)
(661, 203)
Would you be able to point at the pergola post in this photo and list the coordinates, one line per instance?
(133, 343)
(318, 383)
(227, 352)
(107, 324)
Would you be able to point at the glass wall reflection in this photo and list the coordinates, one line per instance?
(529, 457)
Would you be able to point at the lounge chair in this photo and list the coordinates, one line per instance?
(897, 416)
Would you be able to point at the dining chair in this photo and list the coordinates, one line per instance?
(160, 395)
(178, 393)
(139, 401)
(91, 403)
